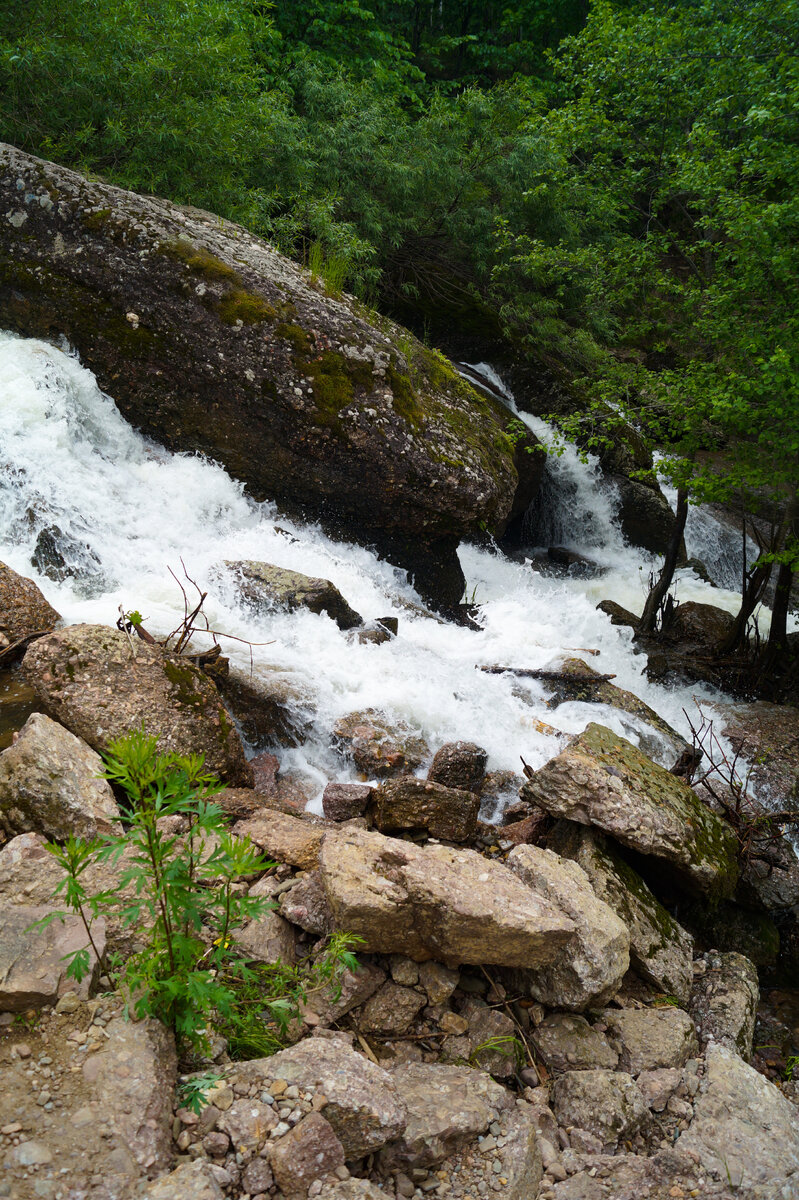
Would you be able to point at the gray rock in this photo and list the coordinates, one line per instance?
(273, 708)
(660, 950)
(436, 902)
(567, 1042)
(391, 1010)
(603, 780)
(32, 959)
(447, 1107)
(408, 803)
(605, 1103)
(308, 1152)
(658, 1086)
(23, 608)
(649, 1038)
(724, 1002)
(351, 1189)
(363, 1104)
(265, 586)
(596, 959)
(491, 1041)
(88, 679)
(459, 765)
(268, 939)
(635, 1177)
(247, 1123)
(190, 1181)
(744, 1129)
(305, 904)
(438, 981)
(331, 1001)
(49, 783)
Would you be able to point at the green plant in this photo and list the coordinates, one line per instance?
(507, 1045)
(193, 1091)
(178, 890)
(790, 1066)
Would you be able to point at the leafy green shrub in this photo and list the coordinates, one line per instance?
(178, 890)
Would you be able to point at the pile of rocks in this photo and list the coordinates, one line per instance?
(528, 1019)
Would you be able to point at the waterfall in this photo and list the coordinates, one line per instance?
(97, 514)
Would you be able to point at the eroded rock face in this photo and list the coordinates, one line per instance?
(288, 839)
(566, 1042)
(603, 780)
(263, 585)
(23, 608)
(744, 1129)
(660, 950)
(724, 1001)
(447, 1107)
(408, 803)
(292, 390)
(50, 783)
(593, 963)
(88, 679)
(436, 902)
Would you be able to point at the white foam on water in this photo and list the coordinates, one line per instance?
(122, 511)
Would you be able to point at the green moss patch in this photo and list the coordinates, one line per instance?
(296, 336)
(247, 307)
(334, 378)
(406, 400)
(201, 261)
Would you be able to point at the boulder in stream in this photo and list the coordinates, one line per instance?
(408, 803)
(297, 392)
(265, 586)
(23, 608)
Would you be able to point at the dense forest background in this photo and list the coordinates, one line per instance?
(609, 189)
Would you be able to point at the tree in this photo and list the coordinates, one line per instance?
(673, 154)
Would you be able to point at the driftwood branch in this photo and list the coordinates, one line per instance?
(16, 649)
(552, 676)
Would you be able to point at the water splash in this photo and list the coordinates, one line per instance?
(121, 511)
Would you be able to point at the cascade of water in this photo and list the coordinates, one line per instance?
(97, 514)
(715, 542)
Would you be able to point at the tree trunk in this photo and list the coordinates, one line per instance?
(658, 593)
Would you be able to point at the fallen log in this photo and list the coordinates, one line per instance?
(546, 675)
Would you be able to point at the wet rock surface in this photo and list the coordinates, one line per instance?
(379, 747)
(408, 803)
(23, 608)
(265, 586)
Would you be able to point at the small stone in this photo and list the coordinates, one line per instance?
(23, 1050)
(69, 1003)
(453, 1023)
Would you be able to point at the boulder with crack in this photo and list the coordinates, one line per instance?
(591, 966)
(437, 902)
(724, 1001)
(661, 951)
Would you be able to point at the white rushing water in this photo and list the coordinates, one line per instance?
(98, 515)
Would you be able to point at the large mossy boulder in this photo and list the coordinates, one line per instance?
(101, 685)
(209, 340)
(602, 780)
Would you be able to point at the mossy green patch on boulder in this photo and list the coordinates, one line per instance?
(601, 779)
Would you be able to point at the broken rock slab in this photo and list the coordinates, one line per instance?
(34, 959)
(744, 1130)
(50, 783)
(193, 1180)
(601, 779)
(408, 803)
(363, 1104)
(267, 939)
(566, 1042)
(664, 1176)
(265, 586)
(591, 966)
(660, 949)
(293, 840)
(87, 678)
(459, 765)
(436, 902)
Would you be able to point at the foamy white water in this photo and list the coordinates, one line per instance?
(98, 515)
